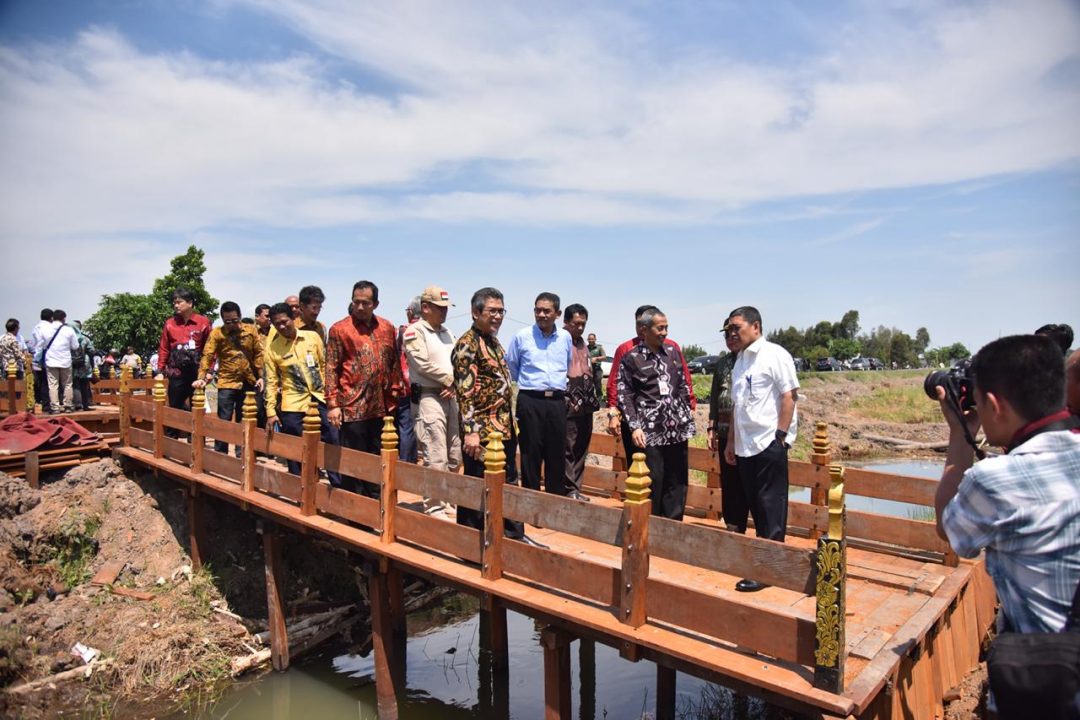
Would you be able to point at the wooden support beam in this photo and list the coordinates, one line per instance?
(491, 557)
(159, 419)
(249, 415)
(829, 642)
(587, 679)
(635, 543)
(665, 693)
(309, 461)
(275, 599)
(198, 433)
(556, 644)
(389, 496)
(382, 630)
(820, 459)
(395, 583)
(33, 469)
(196, 527)
(493, 634)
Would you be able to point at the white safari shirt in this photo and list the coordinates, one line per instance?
(763, 372)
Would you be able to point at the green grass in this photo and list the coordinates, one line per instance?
(74, 548)
(898, 405)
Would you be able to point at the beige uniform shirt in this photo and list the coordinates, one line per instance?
(428, 353)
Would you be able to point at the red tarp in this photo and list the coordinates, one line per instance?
(25, 432)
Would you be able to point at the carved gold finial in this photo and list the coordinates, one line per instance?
(637, 481)
(125, 378)
(495, 453)
(198, 400)
(312, 421)
(822, 449)
(389, 434)
(836, 501)
(249, 410)
(96, 373)
(12, 370)
(159, 390)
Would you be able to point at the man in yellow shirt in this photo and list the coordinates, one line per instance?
(238, 349)
(295, 361)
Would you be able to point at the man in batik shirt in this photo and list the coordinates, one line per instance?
(654, 397)
(363, 377)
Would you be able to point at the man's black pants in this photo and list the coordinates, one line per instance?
(578, 435)
(41, 388)
(179, 394)
(513, 529)
(230, 406)
(292, 423)
(365, 436)
(542, 421)
(765, 483)
(669, 469)
(733, 504)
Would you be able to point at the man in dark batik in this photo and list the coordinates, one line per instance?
(654, 397)
(485, 396)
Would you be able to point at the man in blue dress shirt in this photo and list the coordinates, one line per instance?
(539, 358)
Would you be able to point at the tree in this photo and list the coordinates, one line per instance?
(186, 271)
(954, 352)
(844, 349)
(692, 351)
(922, 339)
(848, 327)
(790, 339)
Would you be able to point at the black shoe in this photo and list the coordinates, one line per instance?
(575, 495)
(747, 585)
(529, 541)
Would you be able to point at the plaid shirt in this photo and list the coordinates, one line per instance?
(1024, 508)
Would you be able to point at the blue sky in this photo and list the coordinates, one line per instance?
(916, 161)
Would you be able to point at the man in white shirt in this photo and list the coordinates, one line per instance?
(38, 338)
(61, 347)
(764, 389)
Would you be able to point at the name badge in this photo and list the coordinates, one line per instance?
(665, 388)
(310, 360)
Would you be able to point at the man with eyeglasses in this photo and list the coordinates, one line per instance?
(238, 349)
(539, 358)
(764, 389)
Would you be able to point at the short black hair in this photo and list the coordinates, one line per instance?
(46, 314)
(749, 313)
(247, 321)
(229, 306)
(365, 285)
(1062, 334)
(280, 309)
(59, 315)
(641, 311)
(481, 296)
(1026, 370)
(310, 294)
(12, 325)
(182, 294)
(551, 298)
(574, 309)
(260, 307)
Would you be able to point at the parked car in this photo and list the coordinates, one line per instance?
(876, 364)
(827, 364)
(704, 364)
(801, 364)
(860, 363)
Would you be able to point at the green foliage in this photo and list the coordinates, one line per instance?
(844, 349)
(816, 353)
(692, 351)
(15, 654)
(922, 339)
(848, 327)
(135, 319)
(897, 405)
(947, 355)
(75, 547)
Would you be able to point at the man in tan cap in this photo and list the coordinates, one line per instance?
(428, 345)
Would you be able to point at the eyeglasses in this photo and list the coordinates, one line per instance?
(231, 322)
(732, 330)
(495, 312)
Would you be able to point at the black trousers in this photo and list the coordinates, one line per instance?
(469, 517)
(733, 503)
(230, 406)
(179, 395)
(365, 436)
(628, 442)
(578, 435)
(41, 388)
(669, 469)
(542, 421)
(765, 484)
(292, 423)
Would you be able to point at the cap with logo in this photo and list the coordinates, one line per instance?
(436, 296)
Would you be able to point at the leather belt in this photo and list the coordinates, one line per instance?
(549, 394)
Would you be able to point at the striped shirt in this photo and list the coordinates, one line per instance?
(1024, 509)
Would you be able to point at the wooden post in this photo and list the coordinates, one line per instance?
(665, 693)
(125, 410)
(821, 457)
(249, 415)
(556, 645)
(493, 633)
(275, 599)
(587, 679)
(635, 543)
(388, 496)
(12, 372)
(831, 577)
(395, 583)
(196, 526)
(491, 567)
(309, 459)
(33, 470)
(198, 434)
(382, 631)
(159, 419)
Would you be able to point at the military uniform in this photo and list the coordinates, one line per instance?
(430, 371)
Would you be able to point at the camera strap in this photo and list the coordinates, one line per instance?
(1062, 420)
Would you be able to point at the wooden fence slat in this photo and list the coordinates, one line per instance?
(176, 419)
(277, 482)
(589, 579)
(896, 531)
(440, 485)
(142, 439)
(588, 520)
(346, 505)
(222, 465)
(362, 465)
(223, 430)
(177, 450)
(438, 534)
(870, 483)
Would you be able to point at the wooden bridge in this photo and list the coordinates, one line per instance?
(866, 615)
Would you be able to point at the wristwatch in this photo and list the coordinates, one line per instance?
(781, 435)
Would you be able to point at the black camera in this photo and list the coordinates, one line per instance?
(958, 382)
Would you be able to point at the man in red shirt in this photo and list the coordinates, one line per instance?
(363, 377)
(182, 341)
(616, 422)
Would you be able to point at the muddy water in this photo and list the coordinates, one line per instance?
(449, 676)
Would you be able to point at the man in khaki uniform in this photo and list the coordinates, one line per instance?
(428, 345)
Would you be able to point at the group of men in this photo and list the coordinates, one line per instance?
(60, 358)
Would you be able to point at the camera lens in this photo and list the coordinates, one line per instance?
(936, 379)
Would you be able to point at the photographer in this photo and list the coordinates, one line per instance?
(1023, 507)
